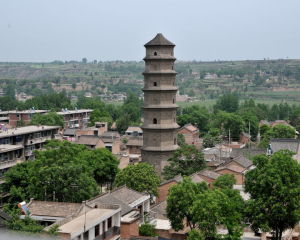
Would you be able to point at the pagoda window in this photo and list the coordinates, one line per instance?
(155, 84)
(173, 100)
(155, 53)
(174, 140)
(154, 121)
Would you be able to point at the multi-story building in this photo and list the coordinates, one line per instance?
(4, 119)
(17, 144)
(24, 117)
(76, 118)
(159, 110)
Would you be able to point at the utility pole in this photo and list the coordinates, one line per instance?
(249, 136)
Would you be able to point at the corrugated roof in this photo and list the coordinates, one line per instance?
(159, 40)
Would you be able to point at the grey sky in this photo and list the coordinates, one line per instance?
(46, 30)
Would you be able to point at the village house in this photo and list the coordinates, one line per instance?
(134, 207)
(191, 135)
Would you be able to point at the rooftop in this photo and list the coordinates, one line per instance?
(190, 127)
(122, 196)
(28, 111)
(285, 143)
(88, 140)
(53, 209)
(209, 174)
(66, 112)
(25, 130)
(87, 220)
(134, 129)
(159, 40)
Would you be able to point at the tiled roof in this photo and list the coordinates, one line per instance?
(54, 209)
(160, 210)
(88, 140)
(243, 161)
(158, 40)
(190, 127)
(232, 168)
(122, 196)
(209, 174)
(126, 194)
(282, 143)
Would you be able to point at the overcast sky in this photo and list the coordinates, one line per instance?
(47, 30)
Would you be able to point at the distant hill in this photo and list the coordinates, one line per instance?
(262, 79)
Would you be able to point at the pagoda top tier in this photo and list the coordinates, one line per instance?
(159, 40)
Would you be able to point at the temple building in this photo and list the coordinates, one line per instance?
(159, 109)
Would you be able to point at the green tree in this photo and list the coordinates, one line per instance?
(180, 139)
(185, 161)
(228, 103)
(180, 198)
(49, 119)
(229, 123)
(147, 229)
(274, 186)
(225, 181)
(62, 172)
(282, 131)
(140, 177)
(195, 234)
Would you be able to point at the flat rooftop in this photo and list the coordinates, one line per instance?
(89, 219)
(8, 147)
(25, 130)
(67, 112)
(27, 111)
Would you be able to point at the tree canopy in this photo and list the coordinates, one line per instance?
(228, 102)
(62, 172)
(274, 186)
(185, 161)
(140, 177)
(205, 208)
(49, 119)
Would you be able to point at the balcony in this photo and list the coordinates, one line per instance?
(109, 234)
(10, 163)
(37, 140)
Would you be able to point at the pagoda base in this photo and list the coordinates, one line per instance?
(158, 159)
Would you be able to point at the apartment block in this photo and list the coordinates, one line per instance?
(18, 144)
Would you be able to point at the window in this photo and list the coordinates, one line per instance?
(109, 223)
(174, 140)
(155, 53)
(173, 100)
(155, 84)
(97, 227)
(86, 235)
(154, 121)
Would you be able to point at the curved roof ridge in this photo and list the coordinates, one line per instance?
(158, 40)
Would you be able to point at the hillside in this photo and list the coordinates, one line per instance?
(263, 79)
